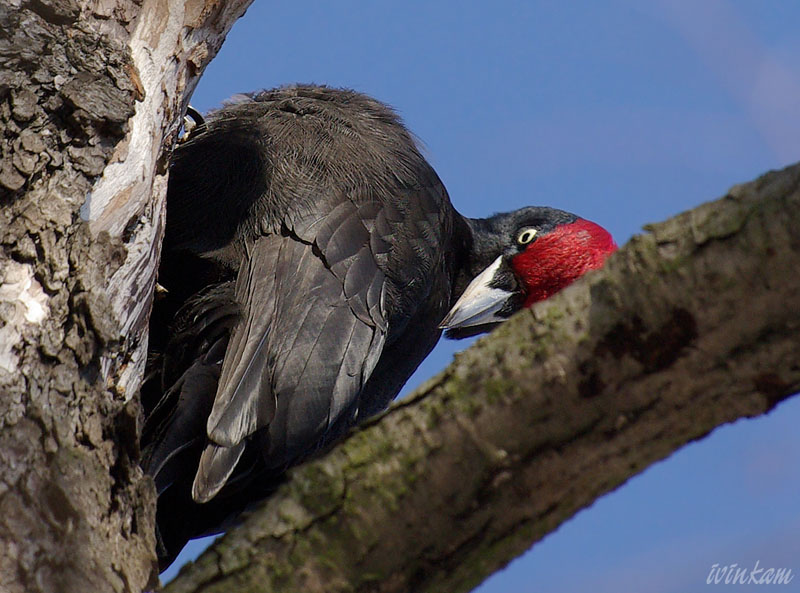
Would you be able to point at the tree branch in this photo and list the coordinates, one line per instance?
(688, 327)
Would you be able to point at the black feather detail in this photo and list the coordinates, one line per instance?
(330, 241)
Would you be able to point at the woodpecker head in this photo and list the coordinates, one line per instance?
(531, 253)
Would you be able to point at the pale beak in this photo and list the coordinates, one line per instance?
(480, 302)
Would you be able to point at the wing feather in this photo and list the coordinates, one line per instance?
(216, 466)
(312, 330)
(244, 401)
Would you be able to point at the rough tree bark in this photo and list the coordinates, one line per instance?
(690, 326)
(555, 408)
(90, 93)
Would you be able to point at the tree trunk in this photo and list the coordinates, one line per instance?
(688, 327)
(90, 92)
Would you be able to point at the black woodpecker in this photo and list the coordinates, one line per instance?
(311, 261)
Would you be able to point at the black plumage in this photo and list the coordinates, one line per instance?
(310, 255)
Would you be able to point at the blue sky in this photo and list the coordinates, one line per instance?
(624, 112)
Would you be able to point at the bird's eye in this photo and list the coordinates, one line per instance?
(526, 235)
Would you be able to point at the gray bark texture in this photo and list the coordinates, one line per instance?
(689, 326)
(90, 92)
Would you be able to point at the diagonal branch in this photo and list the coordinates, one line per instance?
(688, 327)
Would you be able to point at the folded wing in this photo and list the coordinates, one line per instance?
(311, 332)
